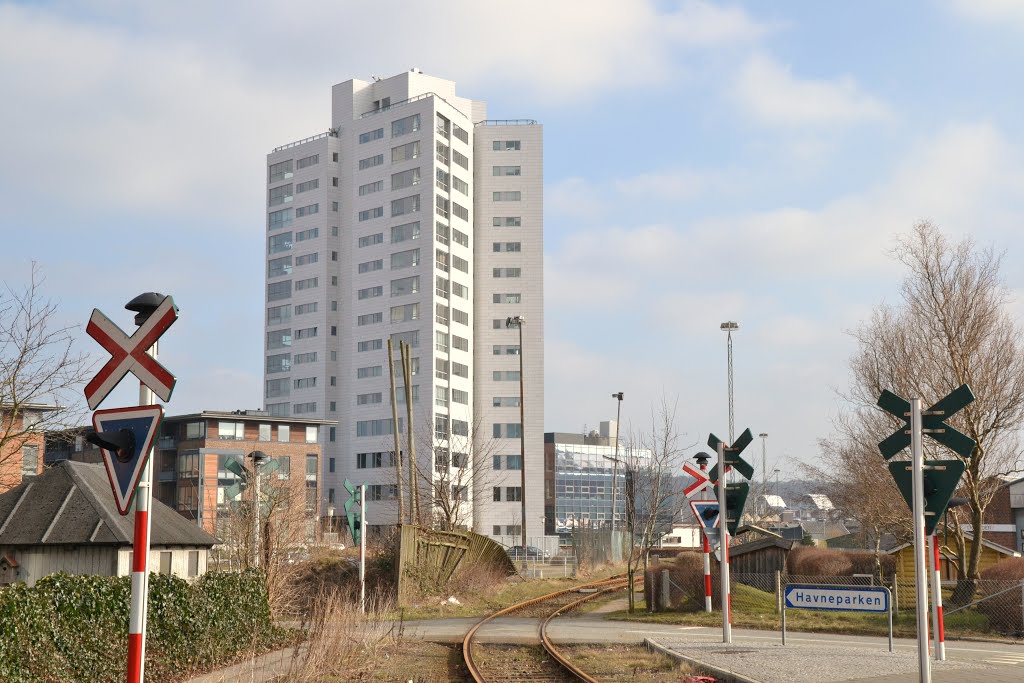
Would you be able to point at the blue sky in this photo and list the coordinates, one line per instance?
(704, 162)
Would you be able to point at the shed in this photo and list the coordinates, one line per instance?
(763, 556)
(65, 520)
(990, 554)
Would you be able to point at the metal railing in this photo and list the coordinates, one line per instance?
(506, 122)
(415, 98)
(332, 133)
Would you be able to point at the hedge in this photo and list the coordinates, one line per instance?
(75, 628)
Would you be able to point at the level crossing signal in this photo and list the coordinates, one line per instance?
(352, 511)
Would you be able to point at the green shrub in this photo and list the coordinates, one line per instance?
(75, 628)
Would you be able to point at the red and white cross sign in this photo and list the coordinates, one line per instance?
(129, 354)
(702, 482)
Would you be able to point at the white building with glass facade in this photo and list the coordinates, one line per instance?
(413, 218)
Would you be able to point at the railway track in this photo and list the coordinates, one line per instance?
(520, 663)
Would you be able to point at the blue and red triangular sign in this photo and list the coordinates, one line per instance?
(125, 467)
(706, 512)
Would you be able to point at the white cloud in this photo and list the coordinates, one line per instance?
(673, 184)
(771, 94)
(992, 11)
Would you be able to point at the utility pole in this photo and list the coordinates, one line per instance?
(730, 327)
(615, 465)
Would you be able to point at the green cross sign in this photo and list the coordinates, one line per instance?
(933, 422)
(731, 455)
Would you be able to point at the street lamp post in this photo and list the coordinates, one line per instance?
(729, 327)
(615, 465)
(517, 321)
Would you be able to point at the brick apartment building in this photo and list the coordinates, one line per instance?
(21, 454)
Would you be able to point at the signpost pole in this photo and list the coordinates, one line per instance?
(707, 552)
(783, 622)
(891, 605)
(920, 557)
(937, 625)
(724, 535)
(363, 528)
(140, 557)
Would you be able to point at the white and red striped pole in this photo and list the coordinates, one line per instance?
(938, 629)
(140, 558)
(707, 551)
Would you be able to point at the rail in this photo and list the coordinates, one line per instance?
(332, 133)
(414, 98)
(507, 122)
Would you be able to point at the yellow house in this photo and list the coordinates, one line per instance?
(990, 554)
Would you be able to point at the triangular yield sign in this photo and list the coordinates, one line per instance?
(124, 472)
(706, 512)
(939, 485)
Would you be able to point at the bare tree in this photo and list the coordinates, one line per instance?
(951, 327)
(650, 487)
(40, 374)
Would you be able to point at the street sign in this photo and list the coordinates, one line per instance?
(131, 431)
(837, 598)
(696, 487)
(706, 512)
(735, 500)
(129, 354)
(732, 455)
(940, 481)
(933, 422)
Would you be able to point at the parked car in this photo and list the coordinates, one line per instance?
(532, 552)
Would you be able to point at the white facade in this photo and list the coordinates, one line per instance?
(427, 227)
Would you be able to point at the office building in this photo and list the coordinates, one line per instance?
(413, 218)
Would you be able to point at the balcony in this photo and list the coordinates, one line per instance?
(167, 443)
(442, 266)
(166, 476)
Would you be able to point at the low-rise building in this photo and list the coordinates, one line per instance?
(22, 448)
(65, 520)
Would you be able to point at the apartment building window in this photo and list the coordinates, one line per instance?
(284, 432)
(330, 492)
(370, 188)
(277, 387)
(443, 126)
(506, 349)
(460, 264)
(442, 206)
(507, 246)
(307, 186)
(400, 391)
(505, 375)
(404, 126)
(307, 259)
(334, 179)
(282, 170)
(304, 235)
(412, 338)
(460, 133)
(460, 317)
(308, 283)
(513, 494)
(331, 435)
(441, 314)
(371, 292)
(277, 410)
(304, 383)
(304, 408)
(279, 267)
(370, 162)
(442, 179)
(460, 211)
(375, 460)
(460, 370)
(278, 315)
(369, 371)
(405, 313)
(304, 358)
(376, 492)
(405, 259)
(460, 343)
(370, 240)
(370, 319)
(368, 399)
(302, 309)
(442, 152)
(460, 428)
(460, 290)
(312, 434)
(506, 170)
(405, 205)
(279, 195)
(406, 152)
(307, 210)
(305, 333)
(498, 323)
(305, 162)
(371, 135)
(441, 341)
(508, 196)
(440, 368)
(231, 431)
(511, 298)
(280, 219)
(441, 397)
(506, 401)
(330, 465)
(506, 146)
(460, 396)
(334, 207)
(383, 427)
(29, 460)
(460, 159)
(441, 426)
(370, 214)
(370, 345)
(460, 237)
(371, 266)
(496, 494)
(441, 260)
(334, 157)
(405, 231)
(278, 339)
(405, 179)
(278, 243)
(405, 285)
(264, 433)
(507, 221)
(280, 362)
(460, 185)
(507, 272)
(441, 285)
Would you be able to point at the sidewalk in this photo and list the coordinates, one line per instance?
(257, 670)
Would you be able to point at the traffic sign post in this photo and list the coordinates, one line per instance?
(724, 563)
(938, 628)
(126, 439)
(357, 528)
(700, 486)
(920, 569)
